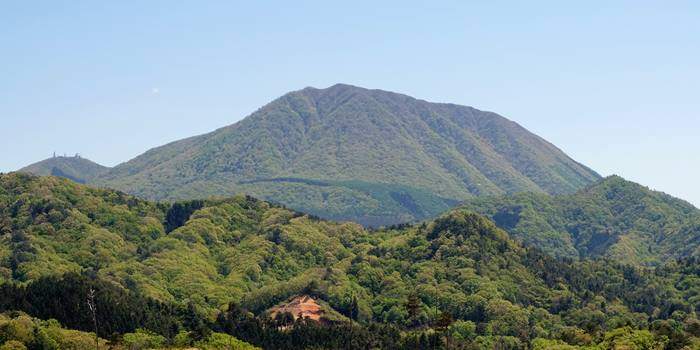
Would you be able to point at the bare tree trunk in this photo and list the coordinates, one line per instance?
(93, 310)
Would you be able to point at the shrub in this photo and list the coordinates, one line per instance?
(13, 345)
(222, 341)
(143, 339)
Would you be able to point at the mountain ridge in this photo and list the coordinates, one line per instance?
(346, 133)
(76, 168)
(613, 218)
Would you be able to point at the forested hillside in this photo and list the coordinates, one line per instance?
(217, 266)
(613, 218)
(348, 153)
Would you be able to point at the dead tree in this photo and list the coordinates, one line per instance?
(93, 311)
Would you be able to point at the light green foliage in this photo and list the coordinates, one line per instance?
(498, 342)
(52, 226)
(221, 341)
(463, 331)
(547, 344)
(142, 339)
(182, 339)
(628, 338)
(618, 339)
(22, 331)
(12, 345)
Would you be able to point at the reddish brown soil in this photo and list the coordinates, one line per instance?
(302, 305)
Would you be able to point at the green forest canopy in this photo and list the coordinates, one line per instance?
(222, 261)
(614, 218)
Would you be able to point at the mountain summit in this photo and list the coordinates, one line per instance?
(349, 153)
(76, 168)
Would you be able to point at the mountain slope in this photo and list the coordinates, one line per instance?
(613, 218)
(333, 151)
(76, 168)
(256, 256)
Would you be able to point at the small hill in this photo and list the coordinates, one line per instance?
(76, 168)
(613, 218)
(349, 153)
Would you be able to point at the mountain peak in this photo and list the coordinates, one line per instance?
(342, 89)
(334, 87)
(343, 86)
(350, 153)
(76, 168)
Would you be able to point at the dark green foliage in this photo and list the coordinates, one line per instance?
(354, 309)
(64, 298)
(179, 213)
(412, 307)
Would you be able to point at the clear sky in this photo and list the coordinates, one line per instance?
(615, 84)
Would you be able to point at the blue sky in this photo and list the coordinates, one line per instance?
(615, 84)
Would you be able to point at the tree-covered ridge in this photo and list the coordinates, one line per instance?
(221, 264)
(75, 168)
(613, 218)
(233, 249)
(348, 146)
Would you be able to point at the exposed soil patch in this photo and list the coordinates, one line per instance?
(303, 306)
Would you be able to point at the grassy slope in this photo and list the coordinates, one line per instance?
(346, 133)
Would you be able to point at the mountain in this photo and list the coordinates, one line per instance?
(348, 153)
(613, 218)
(76, 168)
(224, 264)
